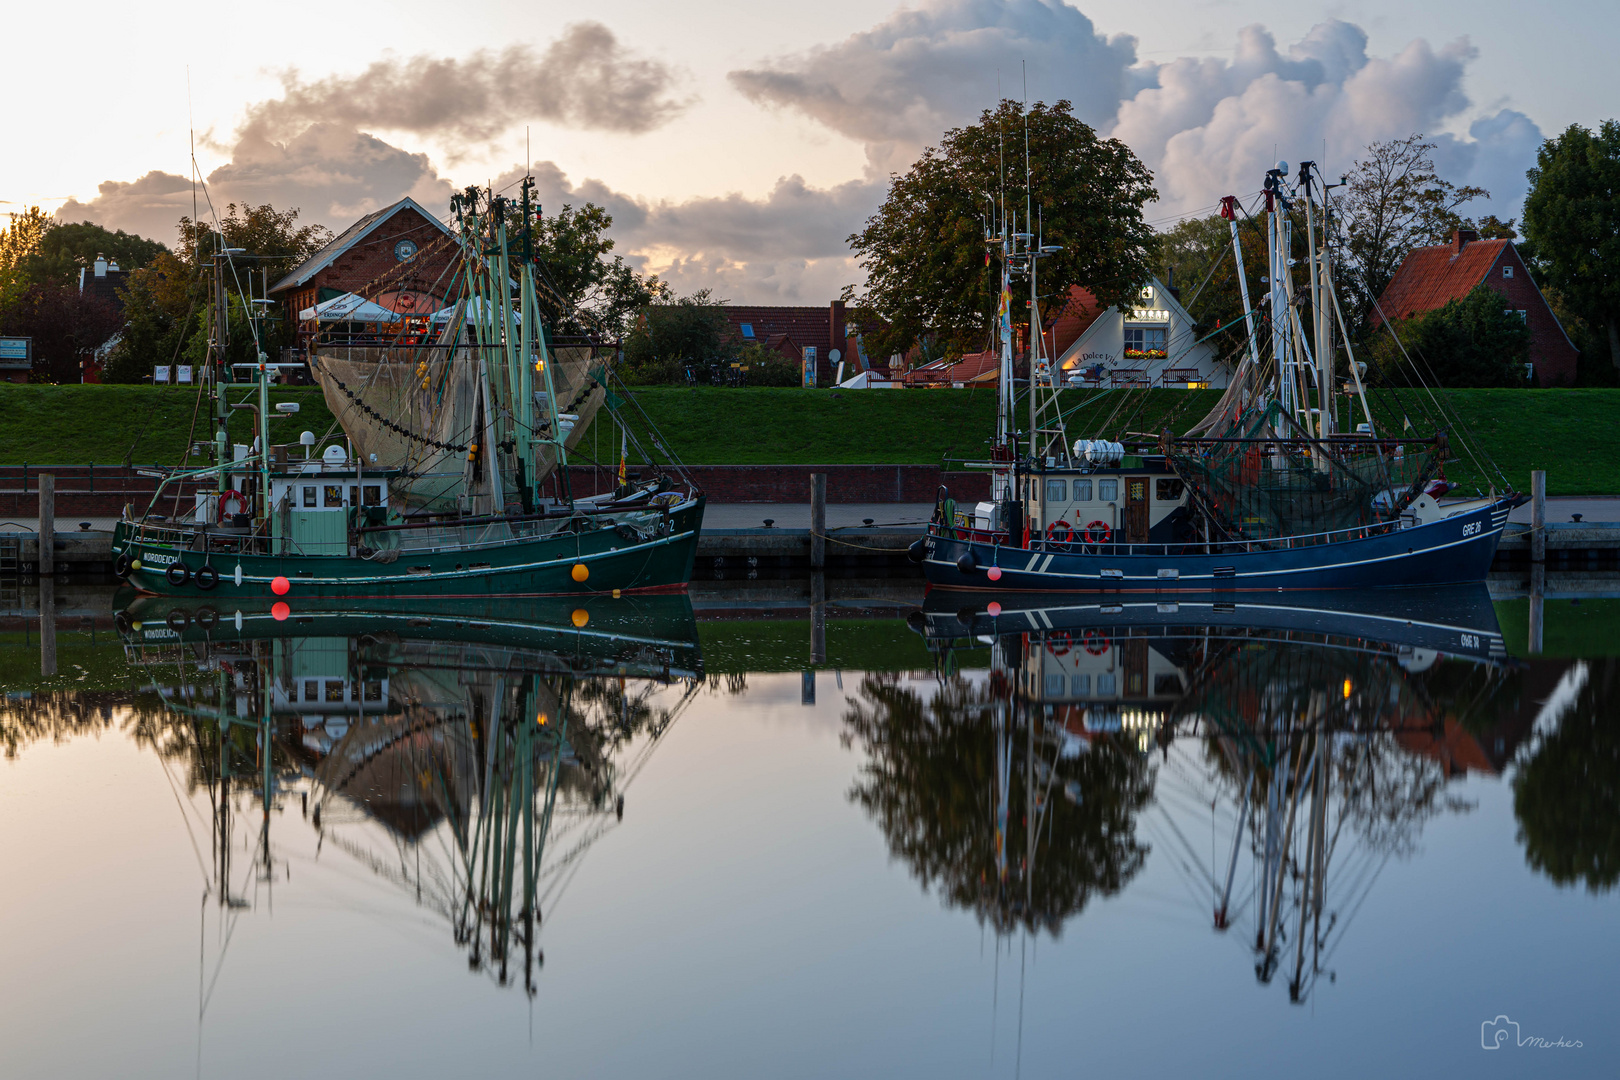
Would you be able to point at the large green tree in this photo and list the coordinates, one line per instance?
(924, 250)
(672, 332)
(1572, 220)
(585, 289)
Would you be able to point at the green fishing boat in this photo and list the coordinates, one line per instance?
(450, 474)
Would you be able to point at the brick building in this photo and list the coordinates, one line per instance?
(1431, 277)
(401, 257)
(790, 330)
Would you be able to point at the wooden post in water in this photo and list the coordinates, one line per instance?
(818, 521)
(47, 525)
(818, 617)
(47, 625)
(1538, 516)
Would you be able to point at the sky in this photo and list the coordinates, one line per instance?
(739, 144)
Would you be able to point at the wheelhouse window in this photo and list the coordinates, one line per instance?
(1105, 684)
(333, 495)
(1168, 490)
(1082, 491)
(309, 496)
(1107, 490)
(1057, 491)
(1080, 685)
(1054, 685)
(373, 494)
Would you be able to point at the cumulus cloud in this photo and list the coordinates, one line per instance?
(1206, 126)
(897, 86)
(584, 79)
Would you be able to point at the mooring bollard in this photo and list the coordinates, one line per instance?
(818, 521)
(1538, 516)
(47, 524)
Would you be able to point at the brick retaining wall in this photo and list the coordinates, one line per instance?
(791, 483)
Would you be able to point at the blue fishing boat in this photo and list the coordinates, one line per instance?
(1287, 483)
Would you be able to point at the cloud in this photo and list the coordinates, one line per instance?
(1206, 126)
(585, 79)
(899, 85)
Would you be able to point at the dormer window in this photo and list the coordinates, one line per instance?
(1507, 271)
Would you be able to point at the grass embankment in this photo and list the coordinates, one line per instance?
(1573, 434)
(145, 425)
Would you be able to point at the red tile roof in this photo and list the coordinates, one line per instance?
(1064, 326)
(1432, 277)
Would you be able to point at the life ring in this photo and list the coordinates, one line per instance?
(231, 496)
(1095, 643)
(1052, 532)
(207, 577)
(1099, 532)
(177, 620)
(177, 574)
(207, 618)
(121, 565)
(1059, 643)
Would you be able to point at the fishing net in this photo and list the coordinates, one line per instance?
(1271, 481)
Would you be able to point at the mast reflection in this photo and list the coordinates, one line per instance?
(1316, 734)
(469, 755)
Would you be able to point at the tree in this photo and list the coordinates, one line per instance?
(1474, 341)
(1197, 255)
(1572, 220)
(583, 291)
(167, 302)
(671, 333)
(924, 250)
(19, 245)
(67, 327)
(1395, 201)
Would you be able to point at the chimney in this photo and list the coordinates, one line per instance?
(113, 266)
(1461, 238)
(101, 265)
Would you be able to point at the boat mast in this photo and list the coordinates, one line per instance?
(1229, 212)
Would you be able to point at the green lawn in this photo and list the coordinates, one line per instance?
(106, 425)
(1573, 434)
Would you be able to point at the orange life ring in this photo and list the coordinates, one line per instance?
(1096, 527)
(1052, 532)
(1095, 643)
(1059, 643)
(231, 496)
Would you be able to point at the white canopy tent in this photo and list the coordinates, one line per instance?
(350, 308)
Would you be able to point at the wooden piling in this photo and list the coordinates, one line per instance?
(818, 521)
(47, 524)
(47, 625)
(1538, 602)
(818, 617)
(1538, 516)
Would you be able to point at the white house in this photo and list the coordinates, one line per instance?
(1150, 344)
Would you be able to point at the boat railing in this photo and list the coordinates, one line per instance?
(1079, 543)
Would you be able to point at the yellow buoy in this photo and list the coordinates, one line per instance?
(136, 565)
(615, 594)
(581, 617)
(580, 572)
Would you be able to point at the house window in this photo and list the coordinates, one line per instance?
(748, 330)
(1082, 491)
(1507, 271)
(1523, 315)
(1146, 342)
(1057, 491)
(309, 496)
(1107, 490)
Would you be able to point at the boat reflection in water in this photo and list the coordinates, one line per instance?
(468, 755)
(1318, 738)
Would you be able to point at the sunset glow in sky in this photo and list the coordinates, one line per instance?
(737, 145)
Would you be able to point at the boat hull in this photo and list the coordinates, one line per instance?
(1455, 550)
(542, 566)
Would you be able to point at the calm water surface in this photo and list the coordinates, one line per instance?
(633, 840)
